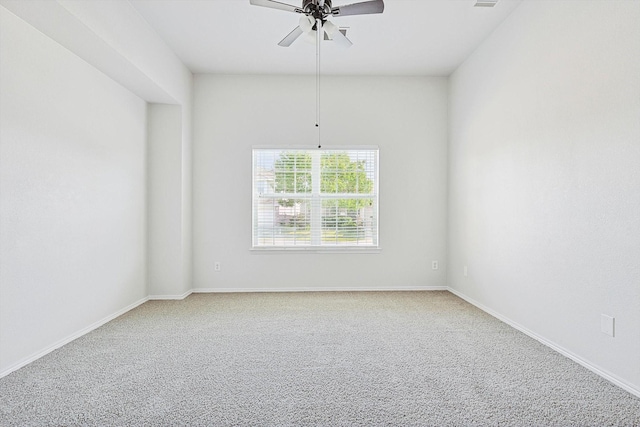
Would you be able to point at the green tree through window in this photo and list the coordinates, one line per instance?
(340, 174)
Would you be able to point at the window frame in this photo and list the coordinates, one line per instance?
(319, 248)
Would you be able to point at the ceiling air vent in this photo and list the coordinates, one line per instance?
(485, 3)
(342, 30)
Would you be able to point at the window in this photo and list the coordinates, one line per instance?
(315, 199)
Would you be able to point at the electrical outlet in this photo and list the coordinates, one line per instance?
(216, 266)
(466, 271)
(434, 265)
(607, 325)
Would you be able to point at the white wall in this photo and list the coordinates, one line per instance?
(72, 194)
(405, 116)
(545, 178)
(164, 172)
(114, 38)
(120, 31)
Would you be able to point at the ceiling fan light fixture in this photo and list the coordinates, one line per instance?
(330, 28)
(306, 23)
(310, 37)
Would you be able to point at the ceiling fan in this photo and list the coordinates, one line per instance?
(315, 13)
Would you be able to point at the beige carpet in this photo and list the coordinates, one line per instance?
(351, 358)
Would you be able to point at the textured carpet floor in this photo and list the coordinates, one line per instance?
(366, 358)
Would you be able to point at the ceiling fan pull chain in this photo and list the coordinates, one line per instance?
(314, 16)
(319, 33)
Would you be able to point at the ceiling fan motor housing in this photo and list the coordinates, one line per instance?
(312, 8)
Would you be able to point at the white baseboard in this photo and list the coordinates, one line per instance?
(590, 366)
(170, 297)
(70, 338)
(319, 289)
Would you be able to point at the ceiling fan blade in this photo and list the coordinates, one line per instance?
(291, 37)
(363, 8)
(276, 5)
(340, 38)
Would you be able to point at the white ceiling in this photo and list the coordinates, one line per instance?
(411, 37)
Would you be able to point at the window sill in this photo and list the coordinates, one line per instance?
(317, 250)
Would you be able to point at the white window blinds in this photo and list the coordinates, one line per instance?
(315, 198)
